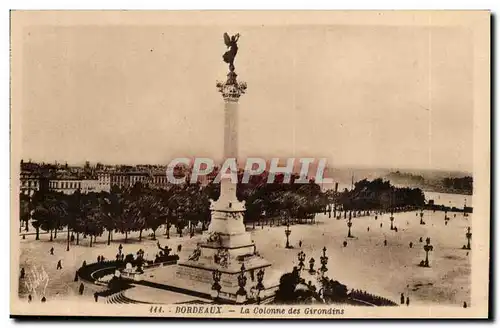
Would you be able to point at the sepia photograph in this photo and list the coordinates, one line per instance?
(230, 164)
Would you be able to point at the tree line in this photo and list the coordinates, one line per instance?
(142, 208)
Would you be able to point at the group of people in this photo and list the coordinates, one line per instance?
(402, 300)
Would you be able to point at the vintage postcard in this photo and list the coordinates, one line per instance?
(270, 164)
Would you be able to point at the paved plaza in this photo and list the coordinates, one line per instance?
(364, 264)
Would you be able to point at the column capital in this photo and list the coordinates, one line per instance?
(231, 89)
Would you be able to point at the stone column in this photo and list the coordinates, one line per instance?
(227, 211)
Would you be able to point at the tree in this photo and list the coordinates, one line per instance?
(112, 204)
(74, 212)
(178, 205)
(54, 214)
(40, 215)
(92, 215)
(125, 222)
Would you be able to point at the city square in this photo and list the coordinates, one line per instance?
(221, 171)
(365, 263)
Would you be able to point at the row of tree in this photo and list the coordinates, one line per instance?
(122, 210)
(142, 208)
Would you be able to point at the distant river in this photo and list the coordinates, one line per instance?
(455, 200)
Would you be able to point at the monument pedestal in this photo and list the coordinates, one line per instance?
(227, 248)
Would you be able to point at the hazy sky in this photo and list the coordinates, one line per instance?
(357, 95)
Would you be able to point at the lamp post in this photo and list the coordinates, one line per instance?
(427, 248)
(349, 225)
(468, 235)
(67, 245)
(392, 219)
(465, 206)
(241, 294)
(324, 261)
(287, 234)
(216, 287)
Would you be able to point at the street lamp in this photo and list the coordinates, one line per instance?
(287, 233)
(324, 261)
(427, 248)
(349, 225)
(302, 258)
(465, 205)
(67, 245)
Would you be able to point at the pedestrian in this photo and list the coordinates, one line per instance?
(465, 305)
(22, 273)
(385, 242)
(52, 251)
(420, 239)
(411, 244)
(368, 229)
(179, 248)
(59, 265)
(345, 243)
(402, 298)
(300, 243)
(98, 258)
(96, 296)
(44, 299)
(84, 264)
(76, 276)
(29, 298)
(407, 301)
(81, 289)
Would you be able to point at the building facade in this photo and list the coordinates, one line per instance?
(66, 185)
(30, 183)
